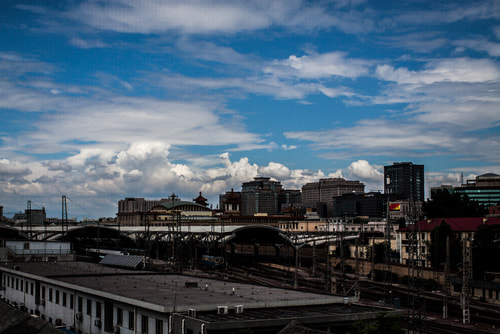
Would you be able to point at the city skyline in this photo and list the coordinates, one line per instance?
(102, 100)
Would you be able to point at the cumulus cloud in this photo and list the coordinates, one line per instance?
(362, 169)
(12, 169)
(57, 166)
(275, 170)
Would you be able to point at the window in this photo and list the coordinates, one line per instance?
(97, 309)
(50, 294)
(32, 289)
(144, 324)
(26, 245)
(64, 299)
(89, 307)
(159, 326)
(131, 320)
(26, 285)
(119, 316)
(71, 301)
(57, 296)
(43, 292)
(80, 304)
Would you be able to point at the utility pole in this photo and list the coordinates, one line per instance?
(387, 260)
(416, 301)
(447, 283)
(466, 277)
(328, 270)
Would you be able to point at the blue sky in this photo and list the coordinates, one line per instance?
(102, 100)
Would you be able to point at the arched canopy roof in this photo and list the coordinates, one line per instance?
(258, 234)
(93, 232)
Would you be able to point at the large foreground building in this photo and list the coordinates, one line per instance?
(89, 298)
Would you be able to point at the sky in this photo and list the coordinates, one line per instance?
(102, 100)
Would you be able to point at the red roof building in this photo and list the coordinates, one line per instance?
(463, 227)
(468, 224)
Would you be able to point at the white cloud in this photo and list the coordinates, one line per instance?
(362, 169)
(480, 44)
(288, 147)
(384, 137)
(443, 70)
(317, 66)
(86, 43)
(10, 169)
(451, 12)
(208, 17)
(275, 170)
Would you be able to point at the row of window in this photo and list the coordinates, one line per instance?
(67, 300)
(54, 296)
(120, 314)
(19, 284)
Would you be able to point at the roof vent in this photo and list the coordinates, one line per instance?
(239, 309)
(222, 310)
(192, 313)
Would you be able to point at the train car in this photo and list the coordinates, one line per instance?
(210, 261)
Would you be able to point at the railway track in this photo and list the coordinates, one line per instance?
(285, 277)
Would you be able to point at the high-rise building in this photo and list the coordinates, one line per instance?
(262, 195)
(404, 181)
(318, 194)
(373, 205)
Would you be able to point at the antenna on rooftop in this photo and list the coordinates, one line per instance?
(64, 218)
(28, 218)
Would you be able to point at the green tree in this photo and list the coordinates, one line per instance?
(486, 250)
(437, 247)
(378, 251)
(444, 204)
(383, 324)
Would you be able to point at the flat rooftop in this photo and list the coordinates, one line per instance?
(166, 292)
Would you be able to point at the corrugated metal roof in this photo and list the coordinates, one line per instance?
(127, 261)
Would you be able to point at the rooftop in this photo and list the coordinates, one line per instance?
(470, 224)
(167, 292)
